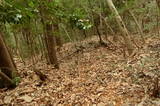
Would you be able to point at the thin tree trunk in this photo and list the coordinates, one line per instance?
(84, 33)
(18, 48)
(96, 19)
(158, 15)
(58, 41)
(158, 3)
(6, 61)
(51, 43)
(138, 25)
(122, 26)
(136, 22)
(6, 64)
(99, 35)
(57, 37)
(30, 42)
(6, 80)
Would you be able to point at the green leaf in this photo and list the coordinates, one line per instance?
(16, 80)
(31, 4)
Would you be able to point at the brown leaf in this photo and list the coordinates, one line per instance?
(26, 98)
(7, 99)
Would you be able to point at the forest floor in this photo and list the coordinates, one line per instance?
(90, 75)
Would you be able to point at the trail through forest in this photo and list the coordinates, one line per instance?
(91, 75)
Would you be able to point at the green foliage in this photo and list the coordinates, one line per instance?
(83, 24)
(12, 11)
(9, 14)
(79, 20)
(72, 14)
(16, 80)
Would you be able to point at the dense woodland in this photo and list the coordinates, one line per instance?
(80, 52)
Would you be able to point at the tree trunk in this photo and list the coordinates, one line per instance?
(57, 37)
(96, 19)
(51, 44)
(122, 26)
(138, 25)
(158, 3)
(6, 64)
(8, 81)
(59, 41)
(50, 40)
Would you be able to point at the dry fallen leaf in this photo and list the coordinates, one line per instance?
(7, 99)
(26, 98)
(97, 76)
(101, 104)
(100, 89)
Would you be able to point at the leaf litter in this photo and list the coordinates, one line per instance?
(89, 75)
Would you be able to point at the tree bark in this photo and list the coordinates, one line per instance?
(138, 25)
(6, 64)
(158, 3)
(50, 40)
(122, 26)
(51, 44)
(7, 80)
(57, 37)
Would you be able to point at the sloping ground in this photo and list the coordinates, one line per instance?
(90, 75)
